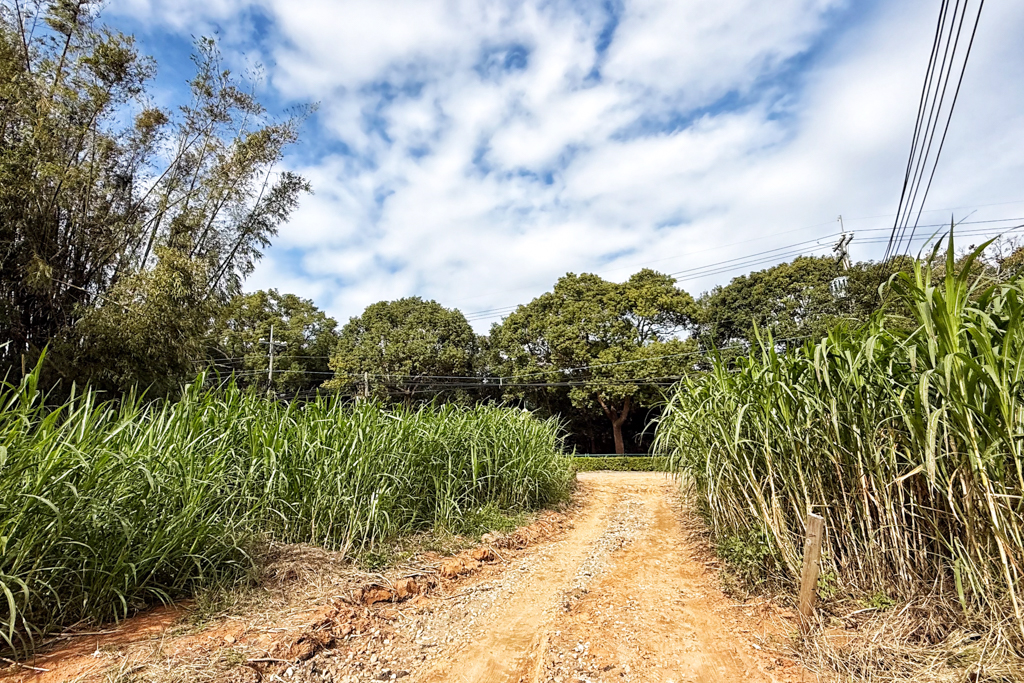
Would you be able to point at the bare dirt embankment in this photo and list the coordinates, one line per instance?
(620, 588)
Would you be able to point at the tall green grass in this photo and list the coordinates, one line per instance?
(108, 506)
(908, 443)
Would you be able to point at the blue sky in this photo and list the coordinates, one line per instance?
(473, 152)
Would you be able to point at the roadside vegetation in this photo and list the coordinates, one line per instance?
(126, 226)
(904, 437)
(620, 463)
(109, 506)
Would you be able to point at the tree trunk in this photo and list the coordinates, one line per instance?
(620, 446)
(618, 419)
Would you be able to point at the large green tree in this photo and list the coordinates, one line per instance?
(406, 349)
(791, 301)
(601, 345)
(97, 185)
(304, 338)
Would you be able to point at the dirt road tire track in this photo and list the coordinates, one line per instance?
(510, 632)
(625, 596)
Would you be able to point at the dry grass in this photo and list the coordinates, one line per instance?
(920, 641)
(868, 638)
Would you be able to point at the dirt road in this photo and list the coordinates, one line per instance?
(622, 589)
(626, 595)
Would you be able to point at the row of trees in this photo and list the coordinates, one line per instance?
(581, 347)
(596, 353)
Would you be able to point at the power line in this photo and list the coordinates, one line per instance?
(747, 261)
(706, 271)
(640, 264)
(490, 310)
(918, 121)
(498, 381)
(945, 130)
(929, 114)
(760, 258)
(929, 74)
(682, 275)
(491, 383)
(801, 247)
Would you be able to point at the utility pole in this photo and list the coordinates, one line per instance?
(270, 373)
(842, 252)
(841, 249)
(273, 346)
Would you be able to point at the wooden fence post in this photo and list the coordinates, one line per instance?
(809, 576)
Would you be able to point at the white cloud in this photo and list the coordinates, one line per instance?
(178, 16)
(493, 146)
(701, 50)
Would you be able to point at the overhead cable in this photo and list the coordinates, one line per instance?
(921, 163)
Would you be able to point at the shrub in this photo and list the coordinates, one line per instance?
(620, 464)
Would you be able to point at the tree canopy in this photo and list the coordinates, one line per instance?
(790, 301)
(304, 338)
(407, 348)
(602, 345)
(147, 331)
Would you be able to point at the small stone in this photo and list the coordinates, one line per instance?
(406, 588)
(483, 555)
(452, 567)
